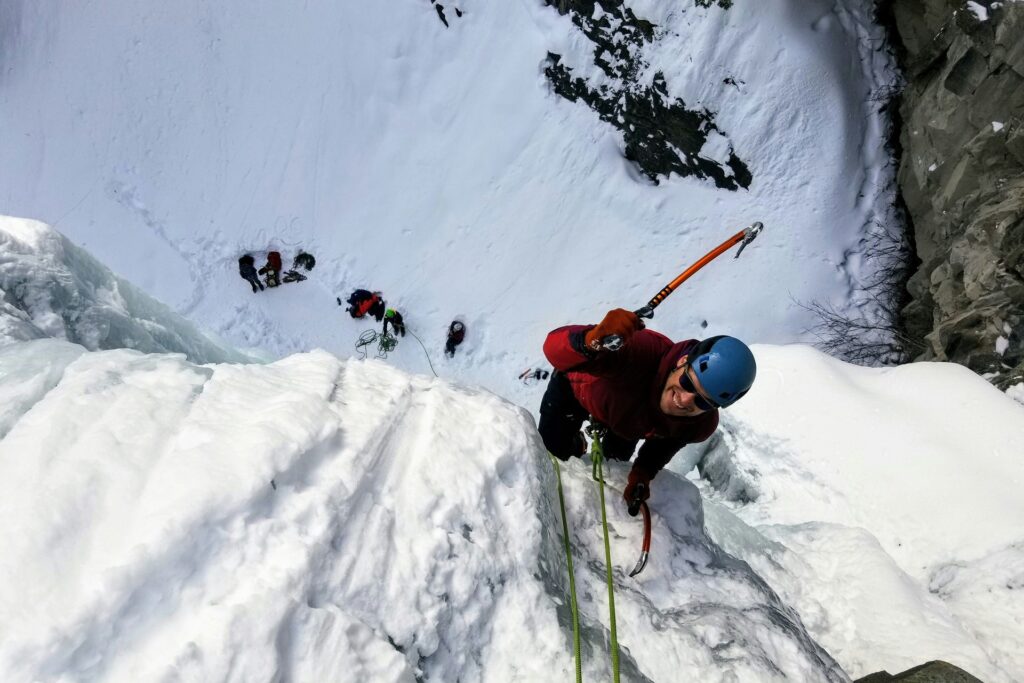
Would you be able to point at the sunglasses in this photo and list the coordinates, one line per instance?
(688, 386)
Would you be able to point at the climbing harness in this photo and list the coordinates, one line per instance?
(572, 575)
(613, 342)
(596, 432)
(386, 343)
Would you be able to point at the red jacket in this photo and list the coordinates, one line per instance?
(622, 389)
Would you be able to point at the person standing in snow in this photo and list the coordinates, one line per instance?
(247, 269)
(456, 333)
(397, 324)
(666, 393)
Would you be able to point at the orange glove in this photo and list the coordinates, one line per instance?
(638, 488)
(619, 321)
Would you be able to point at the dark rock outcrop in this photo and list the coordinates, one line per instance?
(962, 178)
(932, 672)
(661, 135)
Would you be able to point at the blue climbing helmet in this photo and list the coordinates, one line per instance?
(725, 367)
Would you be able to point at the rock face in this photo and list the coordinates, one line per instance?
(932, 672)
(661, 135)
(962, 178)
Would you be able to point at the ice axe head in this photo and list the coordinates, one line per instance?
(749, 235)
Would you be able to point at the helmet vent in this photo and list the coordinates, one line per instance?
(703, 365)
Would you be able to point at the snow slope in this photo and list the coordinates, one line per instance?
(369, 523)
(361, 525)
(437, 165)
(889, 505)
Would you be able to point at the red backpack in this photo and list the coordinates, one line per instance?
(365, 305)
(274, 259)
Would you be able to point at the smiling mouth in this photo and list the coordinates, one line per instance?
(676, 403)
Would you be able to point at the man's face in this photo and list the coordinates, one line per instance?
(675, 400)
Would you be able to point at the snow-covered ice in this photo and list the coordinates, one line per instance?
(362, 524)
(53, 289)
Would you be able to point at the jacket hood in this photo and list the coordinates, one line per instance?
(668, 362)
(665, 368)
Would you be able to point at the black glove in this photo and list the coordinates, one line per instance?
(638, 489)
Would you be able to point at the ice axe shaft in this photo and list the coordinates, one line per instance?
(613, 342)
(637, 504)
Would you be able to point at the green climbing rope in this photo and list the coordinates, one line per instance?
(572, 577)
(387, 344)
(424, 350)
(597, 458)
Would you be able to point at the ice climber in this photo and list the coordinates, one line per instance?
(456, 333)
(247, 269)
(397, 324)
(666, 393)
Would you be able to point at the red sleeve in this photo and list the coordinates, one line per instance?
(564, 348)
(560, 352)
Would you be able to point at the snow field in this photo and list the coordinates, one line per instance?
(882, 504)
(437, 166)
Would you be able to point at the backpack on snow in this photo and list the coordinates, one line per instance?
(303, 260)
(274, 260)
(361, 301)
(358, 295)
